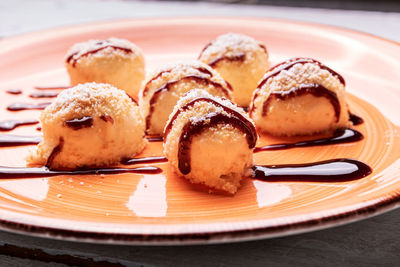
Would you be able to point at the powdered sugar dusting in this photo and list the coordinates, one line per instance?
(302, 74)
(182, 66)
(79, 49)
(198, 93)
(230, 44)
(180, 69)
(90, 98)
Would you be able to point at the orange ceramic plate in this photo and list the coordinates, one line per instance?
(161, 209)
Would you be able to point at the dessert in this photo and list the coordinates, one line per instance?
(300, 96)
(240, 60)
(114, 61)
(169, 83)
(210, 141)
(90, 125)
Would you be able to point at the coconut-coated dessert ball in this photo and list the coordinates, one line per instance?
(90, 125)
(169, 83)
(300, 96)
(241, 61)
(115, 61)
(210, 141)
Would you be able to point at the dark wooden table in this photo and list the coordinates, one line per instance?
(372, 242)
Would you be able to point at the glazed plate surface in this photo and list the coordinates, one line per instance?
(166, 209)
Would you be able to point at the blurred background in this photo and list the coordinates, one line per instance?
(378, 17)
(376, 5)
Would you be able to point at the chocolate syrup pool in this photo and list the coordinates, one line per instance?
(340, 137)
(22, 172)
(334, 170)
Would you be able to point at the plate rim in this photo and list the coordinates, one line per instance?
(122, 20)
(366, 210)
(217, 237)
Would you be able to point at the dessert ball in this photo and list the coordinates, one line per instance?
(90, 125)
(114, 61)
(300, 96)
(210, 141)
(168, 84)
(240, 60)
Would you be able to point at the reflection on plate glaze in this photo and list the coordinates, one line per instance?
(269, 193)
(35, 189)
(150, 197)
(335, 191)
(386, 178)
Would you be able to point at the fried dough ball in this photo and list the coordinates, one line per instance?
(300, 96)
(115, 61)
(90, 125)
(210, 141)
(169, 83)
(241, 61)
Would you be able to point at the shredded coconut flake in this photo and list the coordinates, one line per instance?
(182, 67)
(79, 49)
(229, 44)
(198, 93)
(302, 74)
(90, 98)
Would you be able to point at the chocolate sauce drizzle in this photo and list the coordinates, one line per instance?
(168, 85)
(341, 136)
(79, 123)
(196, 126)
(107, 118)
(223, 57)
(9, 125)
(238, 57)
(15, 91)
(71, 60)
(287, 65)
(291, 62)
(18, 140)
(263, 47)
(52, 87)
(204, 49)
(56, 151)
(132, 99)
(334, 170)
(27, 106)
(356, 120)
(43, 94)
(132, 161)
(16, 172)
(249, 126)
(155, 138)
(146, 88)
(316, 90)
